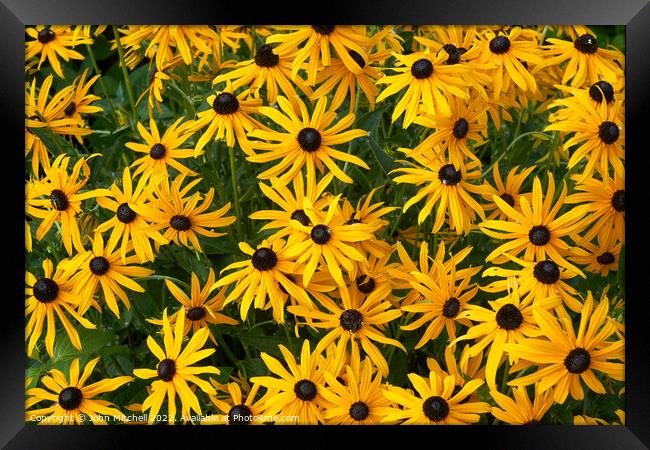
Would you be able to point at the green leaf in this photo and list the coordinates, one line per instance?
(385, 161)
(91, 340)
(268, 344)
(620, 273)
(54, 143)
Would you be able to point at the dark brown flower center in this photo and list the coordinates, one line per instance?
(264, 259)
(618, 200)
(125, 214)
(45, 290)
(309, 139)
(320, 234)
(365, 284)
(305, 390)
(546, 272)
(352, 221)
(539, 235)
(357, 58)
(605, 259)
(225, 103)
(166, 369)
(461, 128)
(608, 132)
(509, 317)
(196, 313)
(451, 308)
(508, 199)
(300, 216)
(240, 415)
(70, 109)
(180, 223)
(359, 411)
(422, 68)
(99, 265)
(586, 44)
(577, 361)
(448, 175)
(70, 398)
(435, 408)
(46, 35)
(351, 320)
(323, 29)
(597, 90)
(59, 200)
(157, 151)
(499, 45)
(265, 56)
(454, 53)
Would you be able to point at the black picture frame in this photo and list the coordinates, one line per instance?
(634, 14)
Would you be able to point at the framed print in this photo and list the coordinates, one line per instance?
(412, 218)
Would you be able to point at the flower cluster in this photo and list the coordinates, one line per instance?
(378, 224)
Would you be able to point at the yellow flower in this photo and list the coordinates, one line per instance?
(49, 297)
(53, 42)
(74, 400)
(175, 369)
(307, 141)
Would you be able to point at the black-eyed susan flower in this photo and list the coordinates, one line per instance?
(538, 230)
(291, 203)
(465, 369)
(182, 216)
(520, 410)
(316, 50)
(506, 53)
(372, 278)
(81, 101)
(403, 272)
(103, 266)
(201, 309)
(338, 78)
(155, 90)
(237, 408)
(298, 395)
(358, 321)
(268, 70)
(263, 275)
(48, 297)
(598, 134)
(508, 321)
(307, 141)
(74, 399)
(600, 258)
(536, 281)
(41, 111)
(357, 401)
(175, 369)
(565, 358)
(161, 152)
(429, 79)
(53, 42)
(452, 133)
(327, 241)
(587, 62)
(434, 403)
(445, 294)
(509, 191)
(129, 225)
(229, 117)
(596, 94)
(57, 198)
(370, 214)
(165, 41)
(445, 186)
(606, 200)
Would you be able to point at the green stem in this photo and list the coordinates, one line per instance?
(235, 192)
(228, 352)
(101, 82)
(125, 74)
